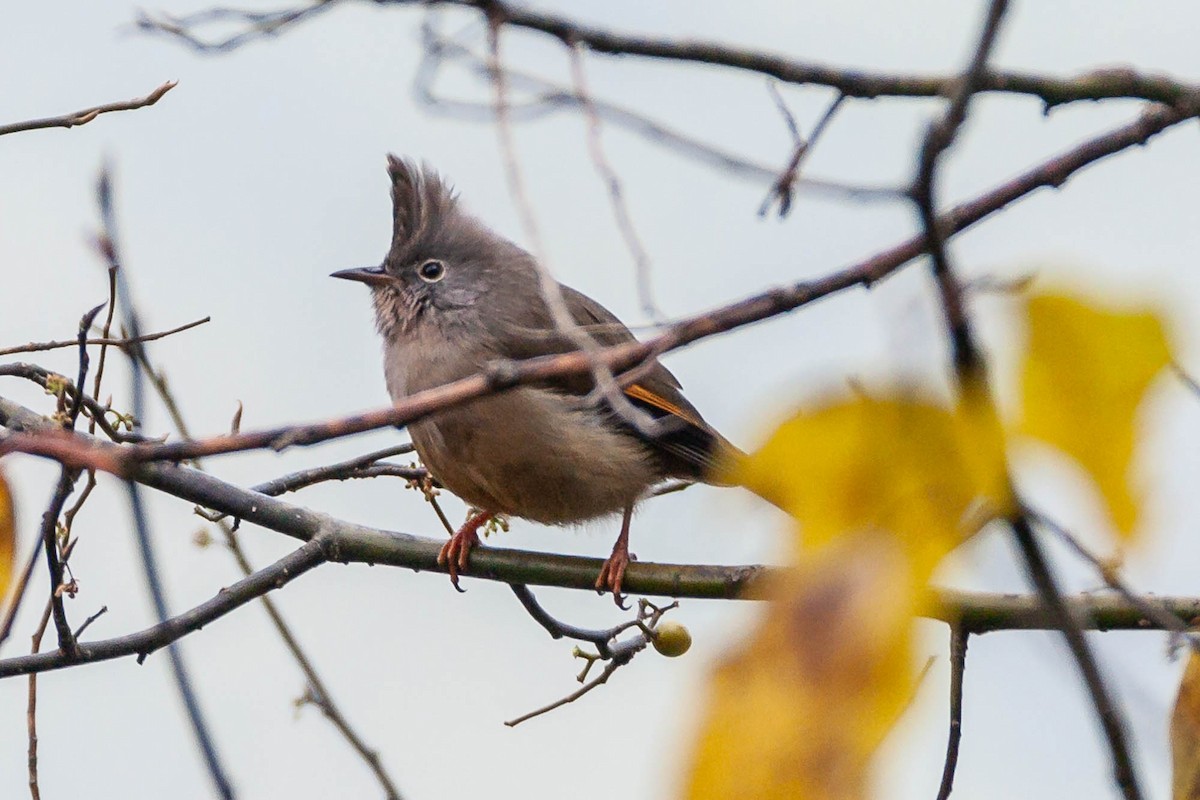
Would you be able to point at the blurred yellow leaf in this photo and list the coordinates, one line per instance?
(7, 535)
(882, 489)
(801, 709)
(902, 465)
(1085, 374)
(1185, 735)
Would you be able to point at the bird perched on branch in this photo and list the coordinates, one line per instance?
(452, 296)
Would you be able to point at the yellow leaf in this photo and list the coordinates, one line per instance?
(799, 712)
(902, 465)
(7, 535)
(1085, 374)
(1185, 735)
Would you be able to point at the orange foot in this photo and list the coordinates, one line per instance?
(612, 574)
(455, 553)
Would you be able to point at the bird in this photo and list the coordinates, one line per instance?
(453, 296)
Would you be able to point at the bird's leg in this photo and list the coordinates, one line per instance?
(613, 571)
(454, 553)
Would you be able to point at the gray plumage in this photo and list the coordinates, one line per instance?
(451, 296)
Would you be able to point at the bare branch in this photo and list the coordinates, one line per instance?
(47, 379)
(88, 114)
(106, 243)
(549, 97)
(785, 184)
(1072, 628)
(1097, 84)
(37, 347)
(503, 375)
(938, 139)
(641, 260)
(147, 641)
(958, 668)
(17, 594)
(317, 690)
(977, 613)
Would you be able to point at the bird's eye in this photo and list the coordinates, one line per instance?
(432, 271)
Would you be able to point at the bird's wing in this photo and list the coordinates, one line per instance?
(688, 446)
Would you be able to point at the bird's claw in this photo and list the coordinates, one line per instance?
(612, 575)
(456, 552)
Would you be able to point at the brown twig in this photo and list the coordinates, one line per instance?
(64, 487)
(923, 191)
(161, 635)
(1072, 629)
(958, 668)
(503, 375)
(977, 613)
(317, 687)
(549, 97)
(1097, 84)
(31, 708)
(47, 379)
(971, 373)
(17, 594)
(551, 290)
(88, 114)
(107, 245)
(641, 260)
(615, 654)
(362, 466)
(1151, 610)
(783, 187)
(104, 341)
(87, 623)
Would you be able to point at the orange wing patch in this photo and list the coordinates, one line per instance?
(638, 392)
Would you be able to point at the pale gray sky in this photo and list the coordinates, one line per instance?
(263, 172)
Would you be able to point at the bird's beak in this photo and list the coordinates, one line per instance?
(372, 276)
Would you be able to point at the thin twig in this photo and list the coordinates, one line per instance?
(49, 539)
(317, 686)
(976, 612)
(103, 341)
(163, 634)
(107, 245)
(88, 114)
(971, 374)
(1097, 84)
(641, 260)
(784, 185)
(938, 139)
(551, 290)
(351, 468)
(31, 709)
(550, 97)
(1152, 611)
(88, 622)
(1110, 718)
(503, 375)
(958, 667)
(66, 484)
(17, 595)
(609, 668)
(47, 379)
(615, 654)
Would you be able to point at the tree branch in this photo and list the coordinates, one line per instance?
(37, 347)
(347, 542)
(88, 114)
(504, 374)
(1097, 84)
(145, 642)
